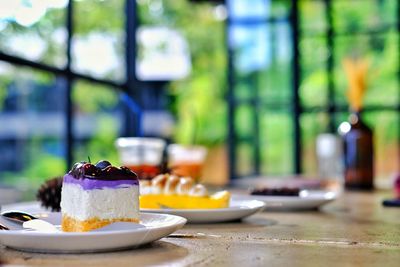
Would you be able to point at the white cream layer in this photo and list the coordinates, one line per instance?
(107, 203)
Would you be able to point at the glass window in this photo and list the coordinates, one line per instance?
(182, 56)
(314, 77)
(99, 37)
(256, 10)
(98, 119)
(276, 135)
(312, 17)
(363, 15)
(363, 29)
(37, 23)
(312, 124)
(382, 54)
(32, 120)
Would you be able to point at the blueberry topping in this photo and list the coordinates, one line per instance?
(90, 170)
(127, 170)
(279, 191)
(111, 170)
(103, 170)
(102, 164)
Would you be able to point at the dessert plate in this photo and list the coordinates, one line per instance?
(152, 227)
(238, 209)
(307, 200)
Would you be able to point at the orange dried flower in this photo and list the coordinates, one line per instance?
(356, 70)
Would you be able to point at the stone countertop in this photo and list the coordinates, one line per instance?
(353, 230)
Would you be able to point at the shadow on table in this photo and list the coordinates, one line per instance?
(155, 253)
(251, 222)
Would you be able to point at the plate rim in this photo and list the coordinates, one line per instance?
(323, 195)
(260, 204)
(315, 200)
(181, 221)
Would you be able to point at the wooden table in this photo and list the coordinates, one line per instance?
(355, 230)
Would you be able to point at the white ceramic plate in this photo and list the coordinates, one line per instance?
(306, 201)
(238, 209)
(124, 235)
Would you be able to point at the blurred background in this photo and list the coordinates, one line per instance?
(256, 82)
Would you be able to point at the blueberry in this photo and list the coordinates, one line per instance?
(90, 170)
(102, 164)
(127, 171)
(76, 166)
(111, 170)
(76, 169)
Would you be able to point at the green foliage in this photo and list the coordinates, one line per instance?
(5, 80)
(313, 89)
(90, 98)
(198, 101)
(44, 30)
(276, 142)
(44, 166)
(97, 15)
(361, 15)
(93, 101)
(101, 145)
(19, 76)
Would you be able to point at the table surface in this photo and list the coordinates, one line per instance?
(353, 230)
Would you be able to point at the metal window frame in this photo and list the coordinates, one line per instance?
(129, 86)
(297, 109)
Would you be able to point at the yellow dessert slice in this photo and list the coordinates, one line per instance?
(173, 201)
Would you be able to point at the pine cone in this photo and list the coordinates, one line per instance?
(49, 194)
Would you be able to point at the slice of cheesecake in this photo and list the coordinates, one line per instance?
(93, 196)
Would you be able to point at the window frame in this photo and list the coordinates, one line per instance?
(297, 109)
(130, 86)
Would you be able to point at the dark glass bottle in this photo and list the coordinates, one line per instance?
(358, 153)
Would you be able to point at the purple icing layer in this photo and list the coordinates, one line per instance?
(90, 184)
